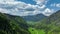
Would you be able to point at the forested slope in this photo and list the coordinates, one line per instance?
(12, 25)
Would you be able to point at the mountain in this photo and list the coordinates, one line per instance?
(51, 24)
(12, 25)
(55, 16)
(34, 17)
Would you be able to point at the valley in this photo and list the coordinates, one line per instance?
(10, 24)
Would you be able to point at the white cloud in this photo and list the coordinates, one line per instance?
(3, 10)
(48, 12)
(6, 0)
(55, 5)
(58, 5)
(22, 9)
(43, 6)
(40, 2)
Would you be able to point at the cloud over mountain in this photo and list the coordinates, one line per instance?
(23, 9)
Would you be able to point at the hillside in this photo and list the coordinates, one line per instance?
(12, 25)
(51, 24)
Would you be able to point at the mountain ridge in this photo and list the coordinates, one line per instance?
(34, 18)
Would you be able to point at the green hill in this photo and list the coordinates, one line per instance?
(12, 25)
(51, 24)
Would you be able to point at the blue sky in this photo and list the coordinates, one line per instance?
(28, 1)
(29, 7)
(47, 5)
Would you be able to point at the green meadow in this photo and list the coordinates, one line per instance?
(36, 31)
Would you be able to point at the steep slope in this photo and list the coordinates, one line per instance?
(55, 16)
(51, 24)
(12, 25)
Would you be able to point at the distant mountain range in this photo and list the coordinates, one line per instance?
(34, 18)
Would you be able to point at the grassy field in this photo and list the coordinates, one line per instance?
(35, 31)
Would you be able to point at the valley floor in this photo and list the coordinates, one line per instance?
(35, 31)
(38, 31)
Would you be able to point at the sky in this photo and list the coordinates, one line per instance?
(29, 7)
